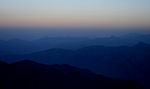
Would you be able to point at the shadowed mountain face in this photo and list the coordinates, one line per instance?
(31, 75)
(125, 62)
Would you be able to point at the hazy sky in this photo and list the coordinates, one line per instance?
(75, 13)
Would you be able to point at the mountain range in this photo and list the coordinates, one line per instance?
(124, 62)
(31, 75)
(19, 46)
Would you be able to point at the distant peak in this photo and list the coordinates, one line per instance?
(58, 50)
(17, 40)
(26, 62)
(92, 47)
(142, 44)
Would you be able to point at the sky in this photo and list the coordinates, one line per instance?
(75, 13)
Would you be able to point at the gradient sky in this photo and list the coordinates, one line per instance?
(74, 13)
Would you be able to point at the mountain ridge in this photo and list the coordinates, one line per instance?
(25, 75)
(124, 62)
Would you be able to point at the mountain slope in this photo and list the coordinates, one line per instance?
(18, 46)
(32, 75)
(125, 62)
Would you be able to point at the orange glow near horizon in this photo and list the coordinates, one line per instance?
(69, 13)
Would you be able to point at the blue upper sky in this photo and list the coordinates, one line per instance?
(75, 13)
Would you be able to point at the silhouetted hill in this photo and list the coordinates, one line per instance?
(31, 75)
(125, 62)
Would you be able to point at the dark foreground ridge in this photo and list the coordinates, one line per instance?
(31, 75)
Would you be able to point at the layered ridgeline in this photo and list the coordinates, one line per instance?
(31, 75)
(18, 46)
(124, 62)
